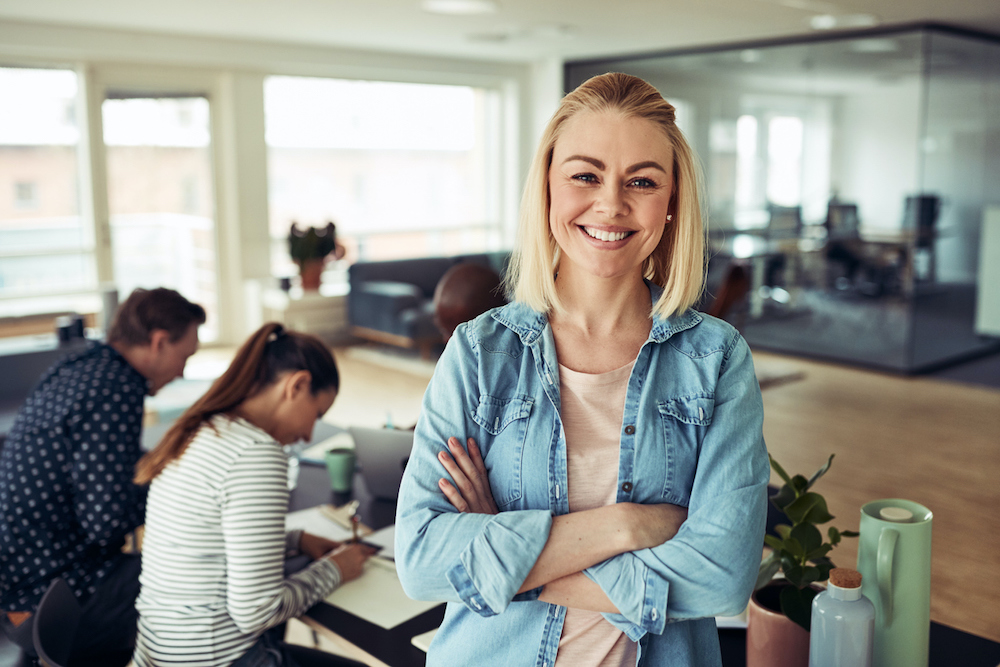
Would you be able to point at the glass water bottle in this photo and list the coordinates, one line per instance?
(843, 623)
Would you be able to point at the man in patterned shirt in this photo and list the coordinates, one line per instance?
(66, 469)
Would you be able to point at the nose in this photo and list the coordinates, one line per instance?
(611, 201)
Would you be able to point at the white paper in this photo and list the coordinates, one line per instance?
(384, 538)
(739, 621)
(378, 597)
(313, 521)
(423, 641)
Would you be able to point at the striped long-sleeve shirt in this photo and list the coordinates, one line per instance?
(214, 548)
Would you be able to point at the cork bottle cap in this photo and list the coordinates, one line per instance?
(844, 577)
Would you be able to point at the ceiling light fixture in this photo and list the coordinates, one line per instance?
(460, 7)
(834, 21)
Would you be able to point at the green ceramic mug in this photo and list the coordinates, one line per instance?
(894, 559)
(340, 466)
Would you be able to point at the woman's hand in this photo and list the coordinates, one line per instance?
(315, 546)
(350, 559)
(473, 493)
(652, 525)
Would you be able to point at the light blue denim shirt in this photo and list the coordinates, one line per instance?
(691, 435)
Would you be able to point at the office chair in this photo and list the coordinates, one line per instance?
(784, 221)
(841, 221)
(55, 626)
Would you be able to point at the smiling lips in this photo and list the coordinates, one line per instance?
(605, 235)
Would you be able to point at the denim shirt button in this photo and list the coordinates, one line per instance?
(629, 430)
(627, 486)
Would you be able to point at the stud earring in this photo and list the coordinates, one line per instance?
(669, 218)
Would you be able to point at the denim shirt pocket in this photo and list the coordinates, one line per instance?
(684, 421)
(505, 423)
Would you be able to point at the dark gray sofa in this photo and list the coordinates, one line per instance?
(392, 301)
(23, 361)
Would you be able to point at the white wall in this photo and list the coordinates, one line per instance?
(231, 72)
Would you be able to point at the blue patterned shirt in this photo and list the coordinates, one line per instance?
(66, 469)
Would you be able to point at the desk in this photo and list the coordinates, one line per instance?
(393, 646)
(948, 646)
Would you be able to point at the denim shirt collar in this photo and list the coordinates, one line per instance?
(529, 324)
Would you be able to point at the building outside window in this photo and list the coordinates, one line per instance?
(46, 254)
(404, 170)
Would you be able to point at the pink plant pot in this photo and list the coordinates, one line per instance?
(773, 640)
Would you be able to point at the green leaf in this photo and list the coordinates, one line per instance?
(808, 536)
(819, 552)
(800, 484)
(788, 562)
(793, 574)
(808, 508)
(824, 565)
(810, 574)
(778, 469)
(834, 535)
(819, 473)
(784, 530)
(784, 497)
(792, 546)
(849, 533)
(768, 568)
(796, 604)
(773, 542)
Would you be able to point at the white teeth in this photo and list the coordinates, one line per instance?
(605, 236)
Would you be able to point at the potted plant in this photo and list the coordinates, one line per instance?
(309, 249)
(783, 605)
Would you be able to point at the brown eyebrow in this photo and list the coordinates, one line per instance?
(583, 158)
(600, 165)
(642, 165)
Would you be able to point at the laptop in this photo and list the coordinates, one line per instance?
(382, 455)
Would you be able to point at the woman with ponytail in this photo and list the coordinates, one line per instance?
(215, 543)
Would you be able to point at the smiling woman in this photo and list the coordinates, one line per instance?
(613, 473)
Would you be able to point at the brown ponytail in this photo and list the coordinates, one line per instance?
(268, 353)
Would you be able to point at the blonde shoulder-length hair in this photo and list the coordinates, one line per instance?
(677, 264)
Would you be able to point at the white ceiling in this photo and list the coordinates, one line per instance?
(520, 30)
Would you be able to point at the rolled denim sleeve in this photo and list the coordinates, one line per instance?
(710, 566)
(442, 554)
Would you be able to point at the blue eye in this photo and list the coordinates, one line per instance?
(586, 178)
(643, 183)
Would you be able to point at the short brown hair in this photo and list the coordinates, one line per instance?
(676, 264)
(146, 310)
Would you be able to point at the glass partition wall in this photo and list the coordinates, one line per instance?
(846, 179)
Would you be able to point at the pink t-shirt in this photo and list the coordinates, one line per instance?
(592, 409)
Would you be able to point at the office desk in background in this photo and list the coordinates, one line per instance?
(948, 647)
(393, 647)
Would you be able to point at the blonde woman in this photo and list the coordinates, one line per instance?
(610, 499)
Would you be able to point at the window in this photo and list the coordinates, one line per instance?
(46, 254)
(403, 169)
(26, 195)
(160, 197)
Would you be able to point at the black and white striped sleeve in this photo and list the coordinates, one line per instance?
(254, 503)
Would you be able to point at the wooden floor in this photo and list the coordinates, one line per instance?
(933, 442)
